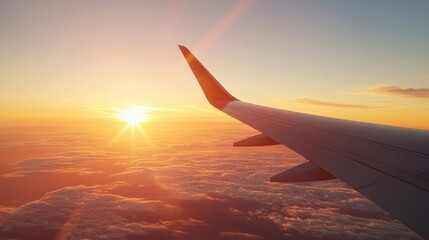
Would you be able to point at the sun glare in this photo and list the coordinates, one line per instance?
(133, 116)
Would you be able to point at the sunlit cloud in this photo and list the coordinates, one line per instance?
(422, 93)
(5, 211)
(186, 186)
(239, 235)
(86, 212)
(329, 104)
(69, 162)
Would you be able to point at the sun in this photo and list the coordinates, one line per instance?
(133, 116)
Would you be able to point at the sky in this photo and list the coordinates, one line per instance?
(362, 60)
(72, 167)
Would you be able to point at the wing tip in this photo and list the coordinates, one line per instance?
(215, 93)
(183, 49)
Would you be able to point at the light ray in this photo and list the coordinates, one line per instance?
(222, 25)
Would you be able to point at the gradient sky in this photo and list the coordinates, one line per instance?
(325, 58)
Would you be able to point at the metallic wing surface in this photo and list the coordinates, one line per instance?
(388, 165)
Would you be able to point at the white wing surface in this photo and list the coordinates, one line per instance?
(388, 165)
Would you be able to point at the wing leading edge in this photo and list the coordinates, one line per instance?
(388, 165)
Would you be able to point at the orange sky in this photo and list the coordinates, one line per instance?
(66, 61)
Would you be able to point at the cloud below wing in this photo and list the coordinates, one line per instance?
(177, 189)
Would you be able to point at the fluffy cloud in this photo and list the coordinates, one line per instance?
(91, 212)
(85, 212)
(200, 189)
(327, 209)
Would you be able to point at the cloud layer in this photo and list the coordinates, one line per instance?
(183, 185)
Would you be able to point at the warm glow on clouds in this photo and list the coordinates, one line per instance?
(188, 183)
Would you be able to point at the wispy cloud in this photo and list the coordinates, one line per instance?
(67, 162)
(396, 91)
(329, 104)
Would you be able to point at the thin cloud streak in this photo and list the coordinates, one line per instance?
(329, 104)
(422, 93)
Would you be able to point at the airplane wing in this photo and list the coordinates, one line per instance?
(388, 165)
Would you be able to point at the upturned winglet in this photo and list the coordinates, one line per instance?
(214, 91)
